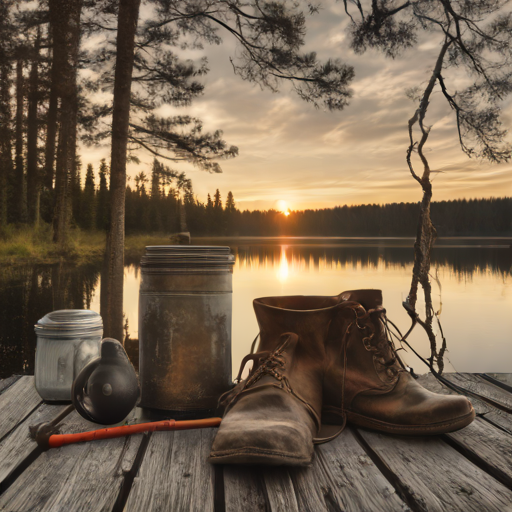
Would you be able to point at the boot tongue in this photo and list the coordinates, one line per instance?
(369, 299)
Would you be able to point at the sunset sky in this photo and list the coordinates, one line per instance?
(316, 159)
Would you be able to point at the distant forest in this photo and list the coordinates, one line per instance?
(153, 205)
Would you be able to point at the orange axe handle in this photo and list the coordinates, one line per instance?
(108, 433)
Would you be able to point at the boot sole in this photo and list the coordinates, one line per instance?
(407, 430)
(257, 456)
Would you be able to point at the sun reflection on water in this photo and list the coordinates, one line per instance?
(283, 268)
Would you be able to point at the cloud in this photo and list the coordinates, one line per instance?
(312, 158)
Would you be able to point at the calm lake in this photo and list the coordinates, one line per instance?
(474, 297)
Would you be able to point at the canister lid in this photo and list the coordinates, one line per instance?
(187, 258)
(65, 323)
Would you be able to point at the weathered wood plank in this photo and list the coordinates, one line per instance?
(506, 378)
(429, 382)
(85, 476)
(435, 476)
(488, 444)
(482, 409)
(17, 446)
(175, 474)
(500, 419)
(312, 487)
(478, 385)
(16, 403)
(344, 477)
(9, 381)
(243, 490)
(480, 440)
(280, 491)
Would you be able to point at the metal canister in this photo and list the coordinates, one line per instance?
(66, 341)
(185, 306)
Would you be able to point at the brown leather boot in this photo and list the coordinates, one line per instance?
(308, 316)
(368, 385)
(272, 416)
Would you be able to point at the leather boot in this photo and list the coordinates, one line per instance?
(311, 317)
(368, 385)
(272, 416)
(308, 316)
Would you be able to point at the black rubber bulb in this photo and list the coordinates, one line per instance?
(106, 389)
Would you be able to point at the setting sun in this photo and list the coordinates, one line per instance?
(283, 207)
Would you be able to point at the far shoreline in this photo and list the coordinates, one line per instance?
(28, 246)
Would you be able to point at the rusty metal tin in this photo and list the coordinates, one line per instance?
(185, 305)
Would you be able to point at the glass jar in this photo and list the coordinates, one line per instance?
(66, 341)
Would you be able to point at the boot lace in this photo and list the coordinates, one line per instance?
(378, 338)
(375, 340)
(266, 363)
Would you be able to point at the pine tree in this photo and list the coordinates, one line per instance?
(19, 171)
(7, 30)
(88, 203)
(230, 213)
(155, 213)
(209, 225)
(140, 181)
(76, 189)
(102, 198)
(230, 202)
(142, 202)
(217, 201)
(65, 21)
(155, 179)
(33, 178)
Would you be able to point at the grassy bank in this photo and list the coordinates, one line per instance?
(34, 245)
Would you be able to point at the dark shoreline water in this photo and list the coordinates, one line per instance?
(28, 292)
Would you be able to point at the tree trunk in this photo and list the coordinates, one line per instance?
(66, 37)
(426, 232)
(112, 279)
(32, 130)
(51, 120)
(18, 190)
(183, 216)
(74, 182)
(62, 210)
(6, 164)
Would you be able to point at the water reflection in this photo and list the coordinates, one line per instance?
(475, 278)
(27, 293)
(461, 260)
(282, 273)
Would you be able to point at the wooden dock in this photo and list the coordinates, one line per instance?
(469, 470)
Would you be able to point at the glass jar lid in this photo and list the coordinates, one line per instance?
(65, 323)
